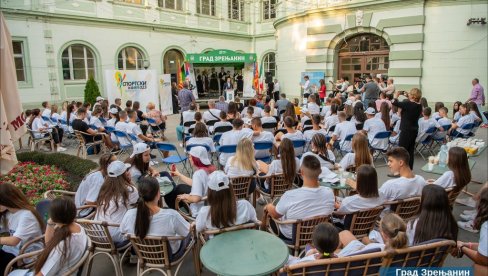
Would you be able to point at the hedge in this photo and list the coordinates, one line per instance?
(76, 168)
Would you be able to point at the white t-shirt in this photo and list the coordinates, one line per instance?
(46, 113)
(245, 213)
(96, 122)
(396, 129)
(198, 188)
(304, 203)
(466, 119)
(268, 119)
(372, 127)
(77, 246)
(23, 225)
(233, 170)
(89, 188)
(323, 162)
(165, 223)
(331, 121)
(220, 123)
(483, 242)
(264, 136)
(232, 138)
(325, 111)
(356, 203)
(37, 124)
(276, 168)
(313, 108)
(122, 126)
(297, 135)
(113, 215)
(311, 132)
(342, 130)
(257, 111)
(402, 187)
(202, 141)
(356, 247)
(424, 125)
(135, 174)
(135, 129)
(207, 115)
(442, 122)
(446, 180)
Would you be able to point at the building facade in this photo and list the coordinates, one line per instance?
(419, 43)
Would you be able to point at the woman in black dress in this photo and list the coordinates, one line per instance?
(409, 125)
(174, 97)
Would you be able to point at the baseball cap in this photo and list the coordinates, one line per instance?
(200, 153)
(218, 181)
(348, 102)
(140, 148)
(100, 98)
(117, 168)
(114, 110)
(370, 111)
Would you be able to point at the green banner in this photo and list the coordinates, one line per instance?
(221, 56)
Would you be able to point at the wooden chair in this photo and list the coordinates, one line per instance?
(452, 195)
(21, 261)
(301, 233)
(102, 244)
(428, 254)
(205, 235)
(405, 208)
(242, 186)
(277, 186)
(365, 264)
(155, 254)
(52, 194)
(362, 222)
(83, 146)
(91, 209)
(183, 208)
(34, 142)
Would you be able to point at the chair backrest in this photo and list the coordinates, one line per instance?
(430, 130)
(331, 129)
(222, 129)
(263, 145)
(227, 149)
(405, 208)
(362, 222)
(63, 122)
(278, 185)
(150, 120)
(307, 122)
(42, 207)
(188, 147)
(102, 120)
(299, 143)
(307, 128)
(359, 126)
(241, 186)
(270, 125)
(109, 129)
(133, 137)
(382, 135)
(303, 230)
(166, 147)
(79, 137)
(428, 254)
(217, 137)
(211, 122)
(46, 119)
(452, 195)
(99, 234)
(188, 124)
(93, 127)
(206, 234)
(348, 137)
(468, 126)
(365, 264)
(152, 250)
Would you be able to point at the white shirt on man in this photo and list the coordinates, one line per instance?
(232, 138)
(135, 129)
(313, 108)
(122, 126)
(331, 121)
(424, 125)
(95, 121)
(443, 121)
(372, 127)
(245, 213)
(402, 188)
(211, 115)
(297, 135)
(38, 124)
(304, 203)
(342, 130)
(165, 223)
(264, 136)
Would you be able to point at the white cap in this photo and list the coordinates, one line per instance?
(100, 98)
(218, 181)
(140, 148)
(117, 168)
(200, 153)
(348, 102)
(370, 111)
(113, 110)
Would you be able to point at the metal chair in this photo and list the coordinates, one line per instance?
(277, 187)
(155, 254)
(426, 142)
(439, 140)
(172, 159)
(263, 146)
(226, 149)
(155, 129)
(297, 144)
(83, 146)
(377, 152)
(360, 223)
(302, 230)
(341, 144)
(222, 129)
(468, 127)
(405, 208)
(271, 127)
(122, 136)
(102, 244)
(109, 129)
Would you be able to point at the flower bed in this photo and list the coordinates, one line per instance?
(34, 179)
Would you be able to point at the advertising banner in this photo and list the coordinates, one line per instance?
(314, 77)
(165, 97)
(134, 85)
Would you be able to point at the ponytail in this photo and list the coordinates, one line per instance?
(395, 229)
(399, 240)
(148, 190)
(60, 234)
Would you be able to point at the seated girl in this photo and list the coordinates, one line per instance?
(200, 137)
(459, 173)
(360, 154)
(223, 210)
(318, 147)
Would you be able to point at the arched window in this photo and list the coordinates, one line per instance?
(269, 63)
(78, 62)
(171, 60)
(130, 58)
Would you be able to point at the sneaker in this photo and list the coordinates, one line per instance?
(44, 148)
(60, 149)
(261, 200)
(484, 126)
(470, 212)
(467, 217)
(467, 225)
(468, 201)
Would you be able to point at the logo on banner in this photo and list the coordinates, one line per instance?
(129, 85)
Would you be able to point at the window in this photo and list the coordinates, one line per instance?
(171, 4)
(19, 60)
(130, 58)
(269, 64)
(236, 9)
(206, 7)
(78, 62)
(269, 9)
(132, 1)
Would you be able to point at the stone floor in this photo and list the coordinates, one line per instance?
(479, 174)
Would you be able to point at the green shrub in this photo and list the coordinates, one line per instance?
(91, 91)
(75, 167)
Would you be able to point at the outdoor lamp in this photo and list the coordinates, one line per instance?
(146, 64)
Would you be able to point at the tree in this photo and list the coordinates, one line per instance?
(91, 91)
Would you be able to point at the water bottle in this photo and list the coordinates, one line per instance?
(443, 156)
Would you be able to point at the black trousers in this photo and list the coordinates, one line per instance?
(5, 258)
(407, 141)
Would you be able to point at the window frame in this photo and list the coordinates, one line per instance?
(272, 7)
(266, 63)
(85, 61)
(240, 10)
(177, 3)
(27, 82)
(212, 7)
(124, 58)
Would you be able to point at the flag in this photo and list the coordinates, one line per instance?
(179, 77)
(12, 119)
(256, 77)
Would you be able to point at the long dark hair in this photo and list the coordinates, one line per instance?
(459, 165)
(290, 111)
(320, 144)
(113, 189)
(223, 207)
(454, 110)
(12, 197)
(325, 238)
(232, 108)
(473, 107)
(288, 163)
(482, 208)
(200, 130)
(435, 220)
(63, 211)
(148, 190)
(138, 162)
(385, 114)
(35, 114)
(359, 112)
(367, 181)
(69, 110)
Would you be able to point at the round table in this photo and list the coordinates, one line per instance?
(165, 187)
(244, 252)
(337, 187)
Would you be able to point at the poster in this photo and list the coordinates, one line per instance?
(315, 77)
(165, 97)
(134, 85)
